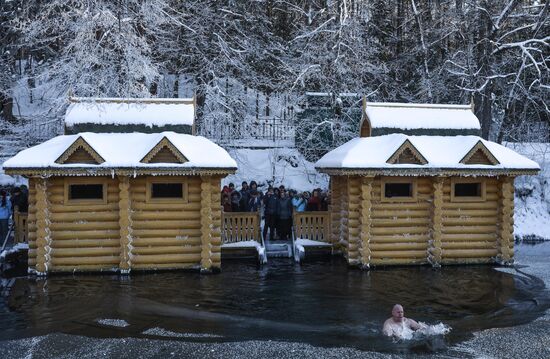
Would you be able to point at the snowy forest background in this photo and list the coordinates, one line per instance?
(251, 63)
(239, 55)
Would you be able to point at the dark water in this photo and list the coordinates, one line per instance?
(321, 303)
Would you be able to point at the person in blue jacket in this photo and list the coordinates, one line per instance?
(298, 202)
(5, 213)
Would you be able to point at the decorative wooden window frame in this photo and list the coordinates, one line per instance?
(164, 143)
(84, 180)
(407, 144)
(412, 180)
(483, 190)
(479, 146)
(79, 143)
(151, 180)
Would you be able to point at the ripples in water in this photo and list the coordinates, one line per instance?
(324, 304)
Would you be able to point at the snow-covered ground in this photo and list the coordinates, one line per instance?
(532, 202)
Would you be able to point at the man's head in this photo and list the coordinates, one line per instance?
(244, 185)
(397, 313)
(232, 186)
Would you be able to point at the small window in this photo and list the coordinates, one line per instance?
(468, 189)
(167, 190)
(398, 190)
(85, 190)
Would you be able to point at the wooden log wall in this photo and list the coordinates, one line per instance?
(43, 233)
(432, 229)
(365, 220)
(216, 229)
(506, 221)
(469, 229)
(335, 211)
(83, 236)
(127, 231)
(206, 223)
(434, 248)
(400, 230)
(166, 235)
(31, 223)
(344, 217)
(125, 223)
(354, 220)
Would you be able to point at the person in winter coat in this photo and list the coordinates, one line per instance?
(314, 203)
(226, 203)
(245, 196)
(226, 189)
(255, 202)
(299, 202)
(235, 201)
(325, 201)
(5, 213)
(284, 211)
(254, 186)
(20, 200)
(270, 213)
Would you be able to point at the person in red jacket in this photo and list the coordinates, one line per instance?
(314, 202)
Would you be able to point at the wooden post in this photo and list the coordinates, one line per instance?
(343, 222)
(124, 221)
(216, 232)
(506, 221)
(43, 239)
(353, 226)
(206, 224)
(335, 211)
(434, 247)
(365, 220)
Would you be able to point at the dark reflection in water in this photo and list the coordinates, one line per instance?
(323, 303)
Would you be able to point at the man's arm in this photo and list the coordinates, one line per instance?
(387, 329)
(413, 324)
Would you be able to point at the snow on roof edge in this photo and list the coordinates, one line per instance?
(441, 152)
(131, 100)
(419, 105)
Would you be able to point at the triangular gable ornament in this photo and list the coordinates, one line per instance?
(80, 152)
(407, 154)
(164, 152)
(479, 155)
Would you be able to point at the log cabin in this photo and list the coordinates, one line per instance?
(421, 193)
(123, 201)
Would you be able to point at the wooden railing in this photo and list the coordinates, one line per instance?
(312, 225)
(21, 227)
(241, 226)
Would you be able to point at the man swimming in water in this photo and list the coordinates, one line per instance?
(398, 325)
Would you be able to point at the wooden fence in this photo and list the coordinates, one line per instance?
(21, 229)
(241, 226)
(314, 226)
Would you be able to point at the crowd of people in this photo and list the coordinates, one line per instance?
(276, 205)
(18, 198)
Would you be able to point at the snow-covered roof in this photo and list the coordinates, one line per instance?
(441, 153)
(116, 111)
(420, 116)
(123, 151)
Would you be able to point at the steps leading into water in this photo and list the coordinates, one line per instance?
(278, 249)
